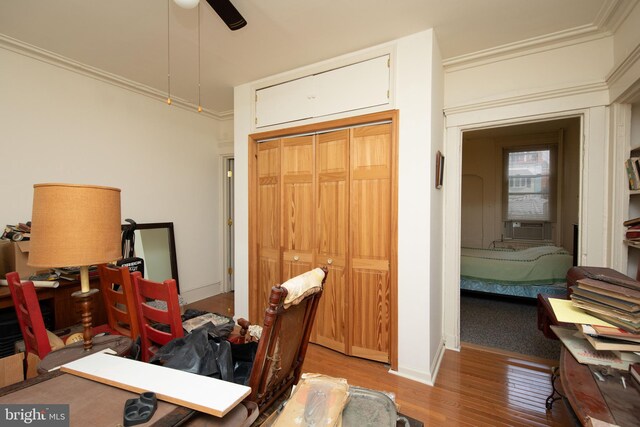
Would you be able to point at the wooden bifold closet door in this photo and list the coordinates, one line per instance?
(326, 200)
(370, 249)
(332, 231)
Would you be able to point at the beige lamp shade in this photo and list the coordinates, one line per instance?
(74, 225)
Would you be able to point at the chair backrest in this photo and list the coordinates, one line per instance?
(283, 344)
(149, 317)
(29, 316)
(119, 300)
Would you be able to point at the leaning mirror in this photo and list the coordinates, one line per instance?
(155, 244)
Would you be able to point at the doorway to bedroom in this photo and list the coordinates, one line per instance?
(519, 207)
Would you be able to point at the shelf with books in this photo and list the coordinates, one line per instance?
(629, 167)
(632, 243)
(632, 233)
(632, 167)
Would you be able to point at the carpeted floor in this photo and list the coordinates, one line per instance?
(504, 324)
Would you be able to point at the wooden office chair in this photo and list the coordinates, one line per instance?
(151, 338)
(117, 292)
(285, 336)
(34, 333)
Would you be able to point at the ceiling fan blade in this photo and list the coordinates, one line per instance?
(228, 13)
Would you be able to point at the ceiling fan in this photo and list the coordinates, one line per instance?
(225, 10)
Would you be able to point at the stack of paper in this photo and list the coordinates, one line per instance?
(594, 338)
(583, 352)
(611, 338)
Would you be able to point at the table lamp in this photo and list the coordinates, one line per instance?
(75, 226)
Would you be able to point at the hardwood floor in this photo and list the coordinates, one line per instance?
(221, 303)
(474, 387)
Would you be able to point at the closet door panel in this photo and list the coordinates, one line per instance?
(370, 331)
(329, 199)
(371, 219)
(268, 224)
(332, 222)
(298, 203)
(370, 243)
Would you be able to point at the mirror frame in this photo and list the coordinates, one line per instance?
(172, 244)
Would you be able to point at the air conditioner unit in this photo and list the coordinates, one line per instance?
(527, 230)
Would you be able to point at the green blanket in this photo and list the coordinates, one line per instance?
(537, 265)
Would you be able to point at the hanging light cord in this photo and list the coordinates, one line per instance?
(199, 104)
(168, 55)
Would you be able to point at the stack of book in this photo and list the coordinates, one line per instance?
(632, 166)
(614, 339)
(73, 273)
(632, 235)
(18, 232)
(616, 301)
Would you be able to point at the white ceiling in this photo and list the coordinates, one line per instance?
(128, 38)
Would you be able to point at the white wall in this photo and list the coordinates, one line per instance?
(436, 98)
(580, 64)
(242, 113)
(635, 126)
(626, 52)
(418, 88)
(563, 81)
(417, 204)
(61, 126)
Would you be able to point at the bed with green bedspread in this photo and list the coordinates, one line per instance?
(524, 272)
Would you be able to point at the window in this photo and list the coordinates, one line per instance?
(529, 192)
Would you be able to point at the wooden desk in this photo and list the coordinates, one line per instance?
(93, 403)
(62, 303)
(606, 401)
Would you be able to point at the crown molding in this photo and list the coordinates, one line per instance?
(526, 47)
(34, 52)
(529, 97)
(611, 15)
(623, 81)
(624, 66)
(225, 115)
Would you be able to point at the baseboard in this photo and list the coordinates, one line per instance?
(203, 292)
(413, 375)
(420, 376)
(452, 342)
(435, 366)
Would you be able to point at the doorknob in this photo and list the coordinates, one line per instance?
(330, 261)
(296, 257)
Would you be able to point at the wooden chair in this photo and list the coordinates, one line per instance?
(151, 338)
(119, 302)
(29, 316)
(283, 345)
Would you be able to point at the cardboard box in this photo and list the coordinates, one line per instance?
(11, 369)
(14, 257)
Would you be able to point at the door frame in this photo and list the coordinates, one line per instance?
(593, 188)
(255, 307)
(228, 253)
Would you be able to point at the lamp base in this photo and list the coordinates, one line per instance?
(85, 300)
